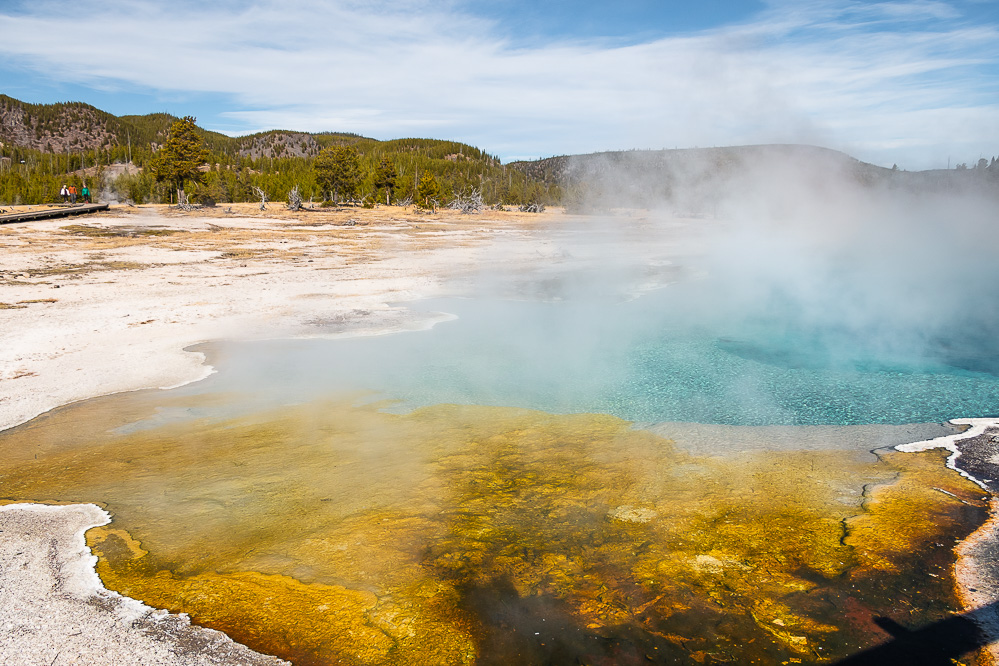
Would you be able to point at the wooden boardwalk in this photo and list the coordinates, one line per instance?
(61, 211)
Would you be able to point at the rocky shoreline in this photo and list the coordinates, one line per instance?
(975, 454)
(54, 609)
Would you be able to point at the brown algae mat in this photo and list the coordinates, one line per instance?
(337, 533)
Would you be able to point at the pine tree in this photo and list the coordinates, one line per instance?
(179, 158)
(338, 170)
(385, 178)
(428, 193)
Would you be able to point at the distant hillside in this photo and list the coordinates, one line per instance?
(56, 128)
(699, 178)
(726, 160)
(74, 126)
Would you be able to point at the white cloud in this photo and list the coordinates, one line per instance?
(892, 81)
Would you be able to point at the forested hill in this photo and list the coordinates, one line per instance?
(75, 127)
(45, 145)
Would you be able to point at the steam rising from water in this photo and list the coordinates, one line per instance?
(860, 272)
(798, 289)
(810, 245)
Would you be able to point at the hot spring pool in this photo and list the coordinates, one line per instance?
(479, 493)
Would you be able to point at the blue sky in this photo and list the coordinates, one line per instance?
(913, 82)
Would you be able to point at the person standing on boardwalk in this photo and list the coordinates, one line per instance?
(85, 193)
(64, 193)
(72, 194)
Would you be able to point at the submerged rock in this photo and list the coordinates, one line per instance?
(633, 514)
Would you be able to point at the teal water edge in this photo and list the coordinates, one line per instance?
(640, 359)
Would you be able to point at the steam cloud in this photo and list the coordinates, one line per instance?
(861, 259)
(774, 285)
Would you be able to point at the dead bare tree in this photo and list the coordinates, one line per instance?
(263, 197)
(467, 201)
(184, 203)
(294, 199)
(534, 207)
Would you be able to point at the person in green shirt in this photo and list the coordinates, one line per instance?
(85, 193)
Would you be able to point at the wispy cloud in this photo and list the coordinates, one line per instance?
(885, 81)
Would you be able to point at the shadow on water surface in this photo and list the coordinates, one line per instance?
(937, 644)
(519, 629)
(541, 630)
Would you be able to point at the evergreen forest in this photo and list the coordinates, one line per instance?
(46, 146)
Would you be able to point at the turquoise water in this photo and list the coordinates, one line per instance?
(641, 359)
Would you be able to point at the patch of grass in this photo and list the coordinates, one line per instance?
(40, 300)
(240, 254)
(75, 269)
(11, 306)
(120, 265)
(119, 232)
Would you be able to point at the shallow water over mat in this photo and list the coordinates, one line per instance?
(335, 533)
